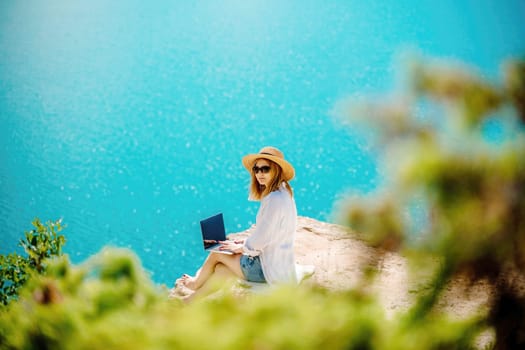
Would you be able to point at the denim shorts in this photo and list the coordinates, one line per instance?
(251, 268)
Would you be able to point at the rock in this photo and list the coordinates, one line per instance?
(340, 258)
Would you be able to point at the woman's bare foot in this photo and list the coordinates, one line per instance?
(190, 282)
(187, 281)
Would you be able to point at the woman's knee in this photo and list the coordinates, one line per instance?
(213, 258)
(219, 258)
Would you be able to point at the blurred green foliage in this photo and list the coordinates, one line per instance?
(471, 186)
(39, 244)
(109, 302)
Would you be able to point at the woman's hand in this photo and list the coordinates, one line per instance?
(233, 246)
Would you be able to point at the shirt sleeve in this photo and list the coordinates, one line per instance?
(266, 226)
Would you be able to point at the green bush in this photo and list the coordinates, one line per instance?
(109, 302)
(41, 243)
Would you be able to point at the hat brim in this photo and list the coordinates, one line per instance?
(288, 170)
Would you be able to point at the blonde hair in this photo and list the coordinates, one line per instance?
(258, 191)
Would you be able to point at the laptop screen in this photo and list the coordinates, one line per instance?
(213, 230)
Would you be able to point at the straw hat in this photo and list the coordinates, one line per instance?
(273, 154)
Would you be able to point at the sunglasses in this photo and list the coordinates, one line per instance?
(265, 169)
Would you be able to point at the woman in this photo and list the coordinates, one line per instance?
(267, 255)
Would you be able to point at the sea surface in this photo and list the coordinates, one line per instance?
(129, 119)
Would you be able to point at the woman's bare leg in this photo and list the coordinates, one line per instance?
(231, 262)
(220, 276)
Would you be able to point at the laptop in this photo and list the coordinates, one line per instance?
(213, 232)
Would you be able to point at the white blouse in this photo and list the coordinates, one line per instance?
(274, 236)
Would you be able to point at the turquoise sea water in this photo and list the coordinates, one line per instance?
(128, 119)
